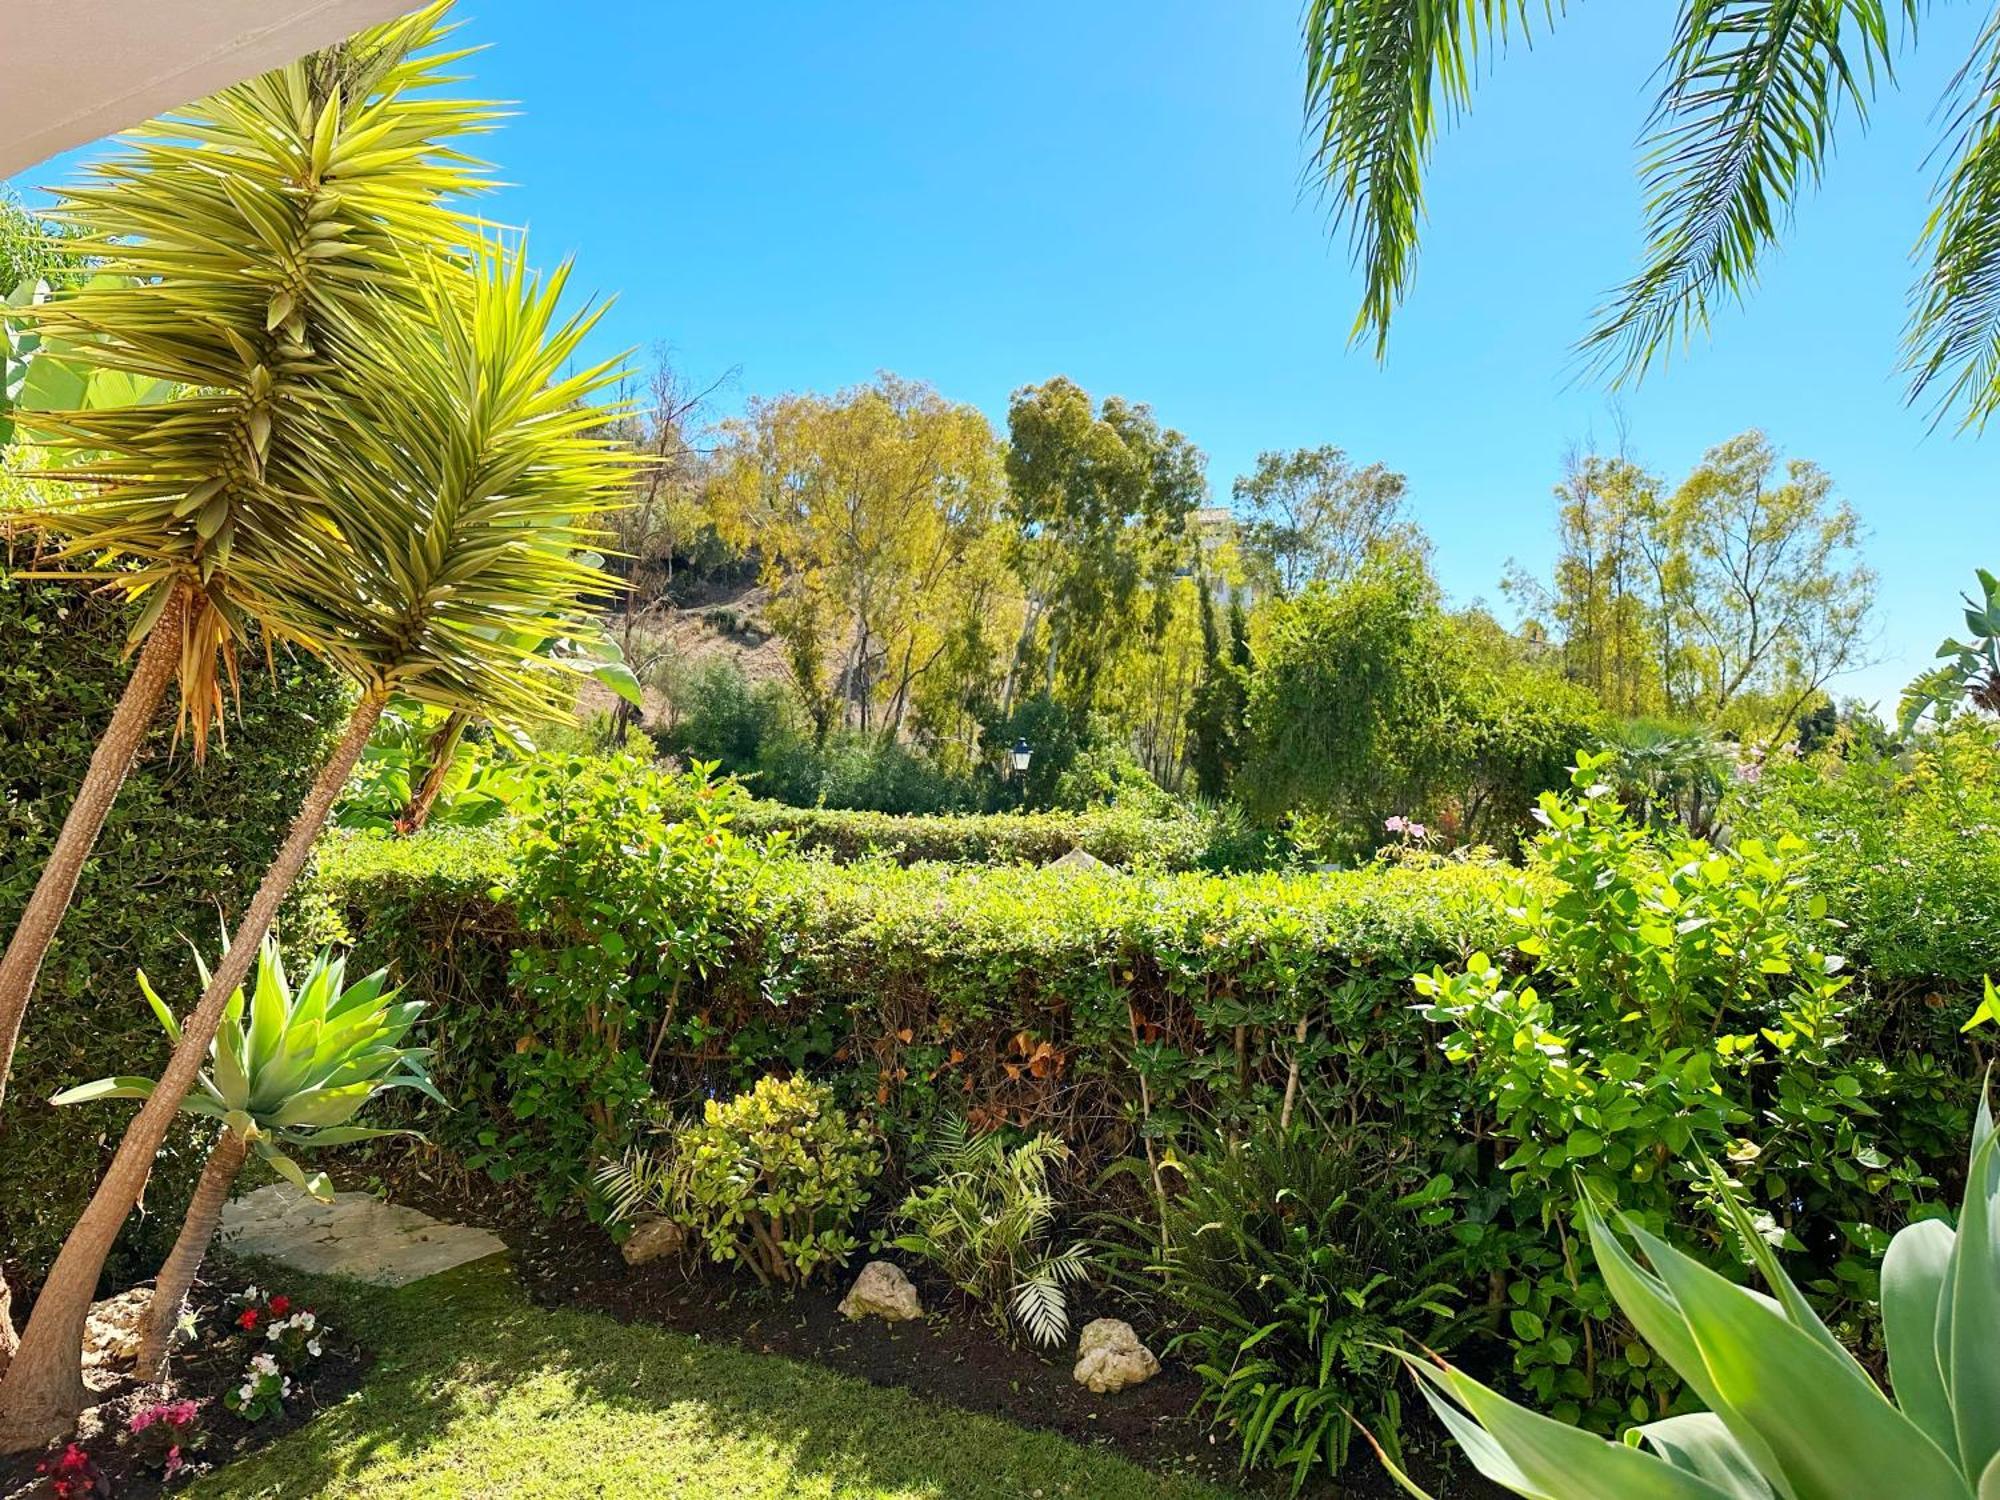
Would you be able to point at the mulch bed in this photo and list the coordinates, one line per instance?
(203, 1370)
(953, 1356)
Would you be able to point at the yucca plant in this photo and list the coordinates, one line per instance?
(984, 1220)
(244, 249)
(1791, 1414)
(288, 1070)
(474, 467)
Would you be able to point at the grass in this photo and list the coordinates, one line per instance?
(475, 1392)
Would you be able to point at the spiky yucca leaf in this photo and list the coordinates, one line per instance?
(247, 248)
(458, 554)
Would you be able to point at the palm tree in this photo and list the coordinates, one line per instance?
(1744, 122)
(468, 469)
(245, 248)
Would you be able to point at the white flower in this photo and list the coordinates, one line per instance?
(276, 1330)
(306, 1321)
(246, 1391)
(264, 1364)
(251, 1294)
(286, 1389)
(312, 1347)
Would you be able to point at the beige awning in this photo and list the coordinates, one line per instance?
(74, 70)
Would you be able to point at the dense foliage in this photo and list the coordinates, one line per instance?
(196, 836)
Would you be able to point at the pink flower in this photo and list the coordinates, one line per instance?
(1417, 830)
(1396, 824)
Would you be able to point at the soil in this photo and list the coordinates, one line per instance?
(953, 1356)
(203, 1370)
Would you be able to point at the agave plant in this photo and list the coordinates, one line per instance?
(1791, 1414)
(985, 1220)
(289, 1070)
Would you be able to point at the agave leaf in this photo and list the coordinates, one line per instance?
(341, 1135)
(315, 1186)
(328, 1106)
(267, 1010)
(1913, 1282)
(1834, 1434)
(122, 1087)
(1989, 1482)
(1971, 1369)
(1537, 1456)
(166, 1017)
(1701, 1443)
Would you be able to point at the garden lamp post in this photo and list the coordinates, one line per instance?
(1019, 757)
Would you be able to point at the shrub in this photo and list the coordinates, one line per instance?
(197, 837)
(631, 884)
(1294, 1256)
(775, 1178)
(1671, 1017)
(984, 1220)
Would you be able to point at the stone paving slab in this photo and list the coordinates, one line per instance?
(356, 1235)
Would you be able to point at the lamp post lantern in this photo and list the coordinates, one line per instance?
(1019, 756)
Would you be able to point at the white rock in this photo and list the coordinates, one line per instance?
(111, 1332)
(1110, 1357)
(652, 1238)
(882, 1291)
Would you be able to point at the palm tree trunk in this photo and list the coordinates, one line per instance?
(441, 747)
(163, 1314)
(43, 1390)
(116, 749)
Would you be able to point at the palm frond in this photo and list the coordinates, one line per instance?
(1951, 349)
(1382, 79)
(1744, 122)
(246, 247)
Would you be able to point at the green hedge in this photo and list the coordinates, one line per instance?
(180, 842)
(1118, 836)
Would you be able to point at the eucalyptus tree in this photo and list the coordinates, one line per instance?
(470, 469)
(244, 250)
(1744, 121)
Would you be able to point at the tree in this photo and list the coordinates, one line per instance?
(467, 468)
(1099, 503)
(243, 276)
(1764, 583)
(874, 512)
(1732, 597)
(1215, 721)
(1743, 124)
(1310, 514)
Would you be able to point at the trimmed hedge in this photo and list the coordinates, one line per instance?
(180, 844)
(1118, 836)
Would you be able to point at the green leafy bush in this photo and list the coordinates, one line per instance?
(1293, 1257)
(984, 1219)
(1671, 1016)
(775, 1178)
(180, 841)
(631, 885)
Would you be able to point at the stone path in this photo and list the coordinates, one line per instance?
(356, 1235)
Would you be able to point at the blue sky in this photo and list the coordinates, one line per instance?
(982, 196)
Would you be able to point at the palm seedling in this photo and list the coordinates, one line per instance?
(984, 1220)
(1791, 1414)
(469, 468)
(244, 250)
(290, 1069)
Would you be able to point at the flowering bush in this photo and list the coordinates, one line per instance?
(164, 1432)
(73, 1475)
(286, 1341)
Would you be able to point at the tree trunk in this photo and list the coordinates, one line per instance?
(44, 1391)
(163, 1314)
(7, 1338)
(109, 763)
(442, 748)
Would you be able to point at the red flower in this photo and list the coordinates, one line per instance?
(248, 1321)
(280, 1305)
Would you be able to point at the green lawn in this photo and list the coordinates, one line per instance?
(476, 1392)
